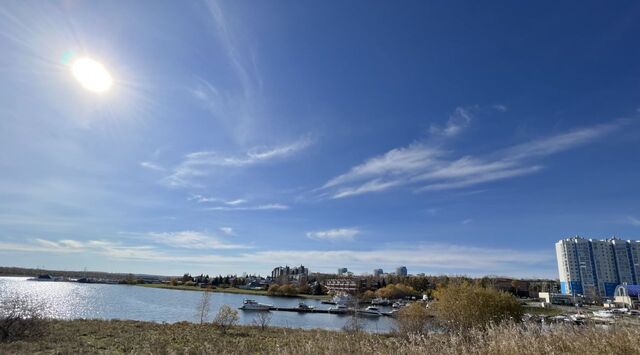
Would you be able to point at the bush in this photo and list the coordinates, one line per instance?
(284, 290)
(395, 291)
(262, 320)
(304, 289)
(288, 290)
(273, 290)
(20, 318)
(368, 295)
(226, 318)
(466, 306)
(412, 319)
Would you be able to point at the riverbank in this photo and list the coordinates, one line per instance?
(98, 336)
(232, 290)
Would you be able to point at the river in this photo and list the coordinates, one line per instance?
(69, 300)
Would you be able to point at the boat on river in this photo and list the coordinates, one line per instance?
(303, 307)
(252, 305)
(370, 311)
(339, 309)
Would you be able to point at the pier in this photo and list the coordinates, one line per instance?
(314, 310)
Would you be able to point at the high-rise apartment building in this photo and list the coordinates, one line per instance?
(401, 271)
(594, 268)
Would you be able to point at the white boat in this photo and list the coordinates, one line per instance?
(370, 311)
(380, 301)
(577, 317)
(339, 308)
(251, 305)
(603, 314)
(342, 299)
(620, 310)
(304, 307)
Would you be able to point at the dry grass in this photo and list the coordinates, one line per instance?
(95, 336)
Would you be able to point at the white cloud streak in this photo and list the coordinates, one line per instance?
(457, 122)
(334, 234)
(429, 168)
(205, 199)
(202, 163)
(151, 166)
(193, 240)
(633, 221)
(266, 207)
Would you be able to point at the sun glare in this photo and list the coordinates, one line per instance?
(92, 75)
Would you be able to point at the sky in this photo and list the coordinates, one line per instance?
(455, 137)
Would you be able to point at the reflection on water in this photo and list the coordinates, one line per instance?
(72, 300)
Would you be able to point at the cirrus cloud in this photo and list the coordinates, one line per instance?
(334, 234)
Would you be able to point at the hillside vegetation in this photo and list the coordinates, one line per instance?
(98, 336)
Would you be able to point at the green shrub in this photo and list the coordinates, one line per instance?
(465, 306)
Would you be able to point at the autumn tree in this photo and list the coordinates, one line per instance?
(464, 306)
(204, 306)
(226, 318)
(412, 319)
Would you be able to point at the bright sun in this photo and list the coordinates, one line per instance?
(91, 75)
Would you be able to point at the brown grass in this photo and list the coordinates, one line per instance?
(95, 336)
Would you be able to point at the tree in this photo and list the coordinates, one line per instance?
(288, 290)
(304, 289)
(173, 281)
(20, 317)
(273, 290)
(204, 306)
(412, 319)
(262, 320)
(368, 295)
(318, 289)
(353, 325)
(226, 318)
(394, 291)
(464, 306)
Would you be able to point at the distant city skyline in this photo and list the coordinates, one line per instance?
(457, 138)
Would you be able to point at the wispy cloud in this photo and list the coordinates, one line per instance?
(236, 202)
(429, 168)
(458, 120)
(151, 166)
(334, 234)
(499, 107)
(239, 106)
(633, 220)
(461, 118)
(205, 199)
(193, 240)
(266, 207)
(227, 231)
(202, 163)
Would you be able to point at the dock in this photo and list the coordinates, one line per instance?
(311, 310)
(315, 310)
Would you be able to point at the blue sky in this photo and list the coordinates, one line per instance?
(453, 137)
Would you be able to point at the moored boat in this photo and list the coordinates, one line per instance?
(303, 307)
(370, 311)
(251, 305)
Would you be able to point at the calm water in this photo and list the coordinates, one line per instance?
(68, 300)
